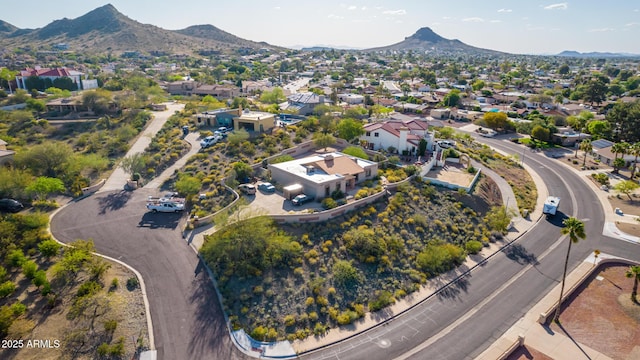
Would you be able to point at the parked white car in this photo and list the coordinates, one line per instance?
(209, 141)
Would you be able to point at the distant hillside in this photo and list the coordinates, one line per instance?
(6, 28)
(107, 30)
(426, 39)
(211, 32)
(569, 53)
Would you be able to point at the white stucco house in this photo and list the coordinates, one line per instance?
(401, 135)
(322, 174)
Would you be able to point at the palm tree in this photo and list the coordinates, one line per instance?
(575, 229)
(619, 148)
(634, 150)
(586, 146)
(634, 272)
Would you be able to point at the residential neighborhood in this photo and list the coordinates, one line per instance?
(237, 199)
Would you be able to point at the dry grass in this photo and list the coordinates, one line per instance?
(41, 322)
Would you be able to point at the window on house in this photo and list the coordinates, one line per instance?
(367, 172)
(376, 134)
(327, 191)
(338, 187)
(368, 133)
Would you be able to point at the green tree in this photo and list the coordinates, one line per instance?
(498, 218)
(541, 133)
(7, 76)
(595, 91)
(274, 96)
(44, 186)
(242, 169)
(356, 151)
(345, 274)
(626, 187)
(624, 118)
(634, 273)
(48, 159)
(323, 140)
(575, 229)
(134, 164)
(478, 85)
(452, 98)
(350, 129)
(236, 137)
(188, 185)
(495, 120)
(587, 147)
(599, 129)
(634, 149)
(49, 248)
(97, 100)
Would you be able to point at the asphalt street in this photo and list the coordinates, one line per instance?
(187, 319)
(456, 323)
(465, 318)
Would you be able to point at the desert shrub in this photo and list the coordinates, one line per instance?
(345, 274)
(289, 320)
(89, 288)
(49, 247)
(132, 283)
(329, 203)
(473, 246)
(382, 299)
(7, 288)
(259, 333)
(601, 178)
(436, 259)
(110, 325)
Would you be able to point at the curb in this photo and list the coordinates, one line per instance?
(143, 289)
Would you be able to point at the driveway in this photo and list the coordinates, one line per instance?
(187, 319)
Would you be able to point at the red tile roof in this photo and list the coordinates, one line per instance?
(57, 72)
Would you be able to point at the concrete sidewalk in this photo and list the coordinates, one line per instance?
(192, 138)
(530, 332)
(118, 177)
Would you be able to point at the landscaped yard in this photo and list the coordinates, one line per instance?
(292, 281)
(602, 316)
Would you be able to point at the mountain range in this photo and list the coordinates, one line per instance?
(106, 30)
(427, 40)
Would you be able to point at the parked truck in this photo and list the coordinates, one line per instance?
(551, 206)
(165, 206)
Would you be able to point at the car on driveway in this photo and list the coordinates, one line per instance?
(209, 141)
(248, 189)
(10, 205)
(267, 187)
(301, 199)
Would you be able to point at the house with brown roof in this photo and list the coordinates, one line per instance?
(404, 136)
(322, 174)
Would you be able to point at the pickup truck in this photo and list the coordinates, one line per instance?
(165, 206)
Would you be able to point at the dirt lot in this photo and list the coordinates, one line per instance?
(602, 315)
(628, 207)
(452, 173)
(627, 228)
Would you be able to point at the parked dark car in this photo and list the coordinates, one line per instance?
(301, 199)
(10, 205)
(267, 187)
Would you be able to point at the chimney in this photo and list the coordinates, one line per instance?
(402, 140)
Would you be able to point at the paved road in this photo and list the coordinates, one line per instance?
(118, 178)
(187, 318)
(462, 321)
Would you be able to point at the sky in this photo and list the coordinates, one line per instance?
(514, 26)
